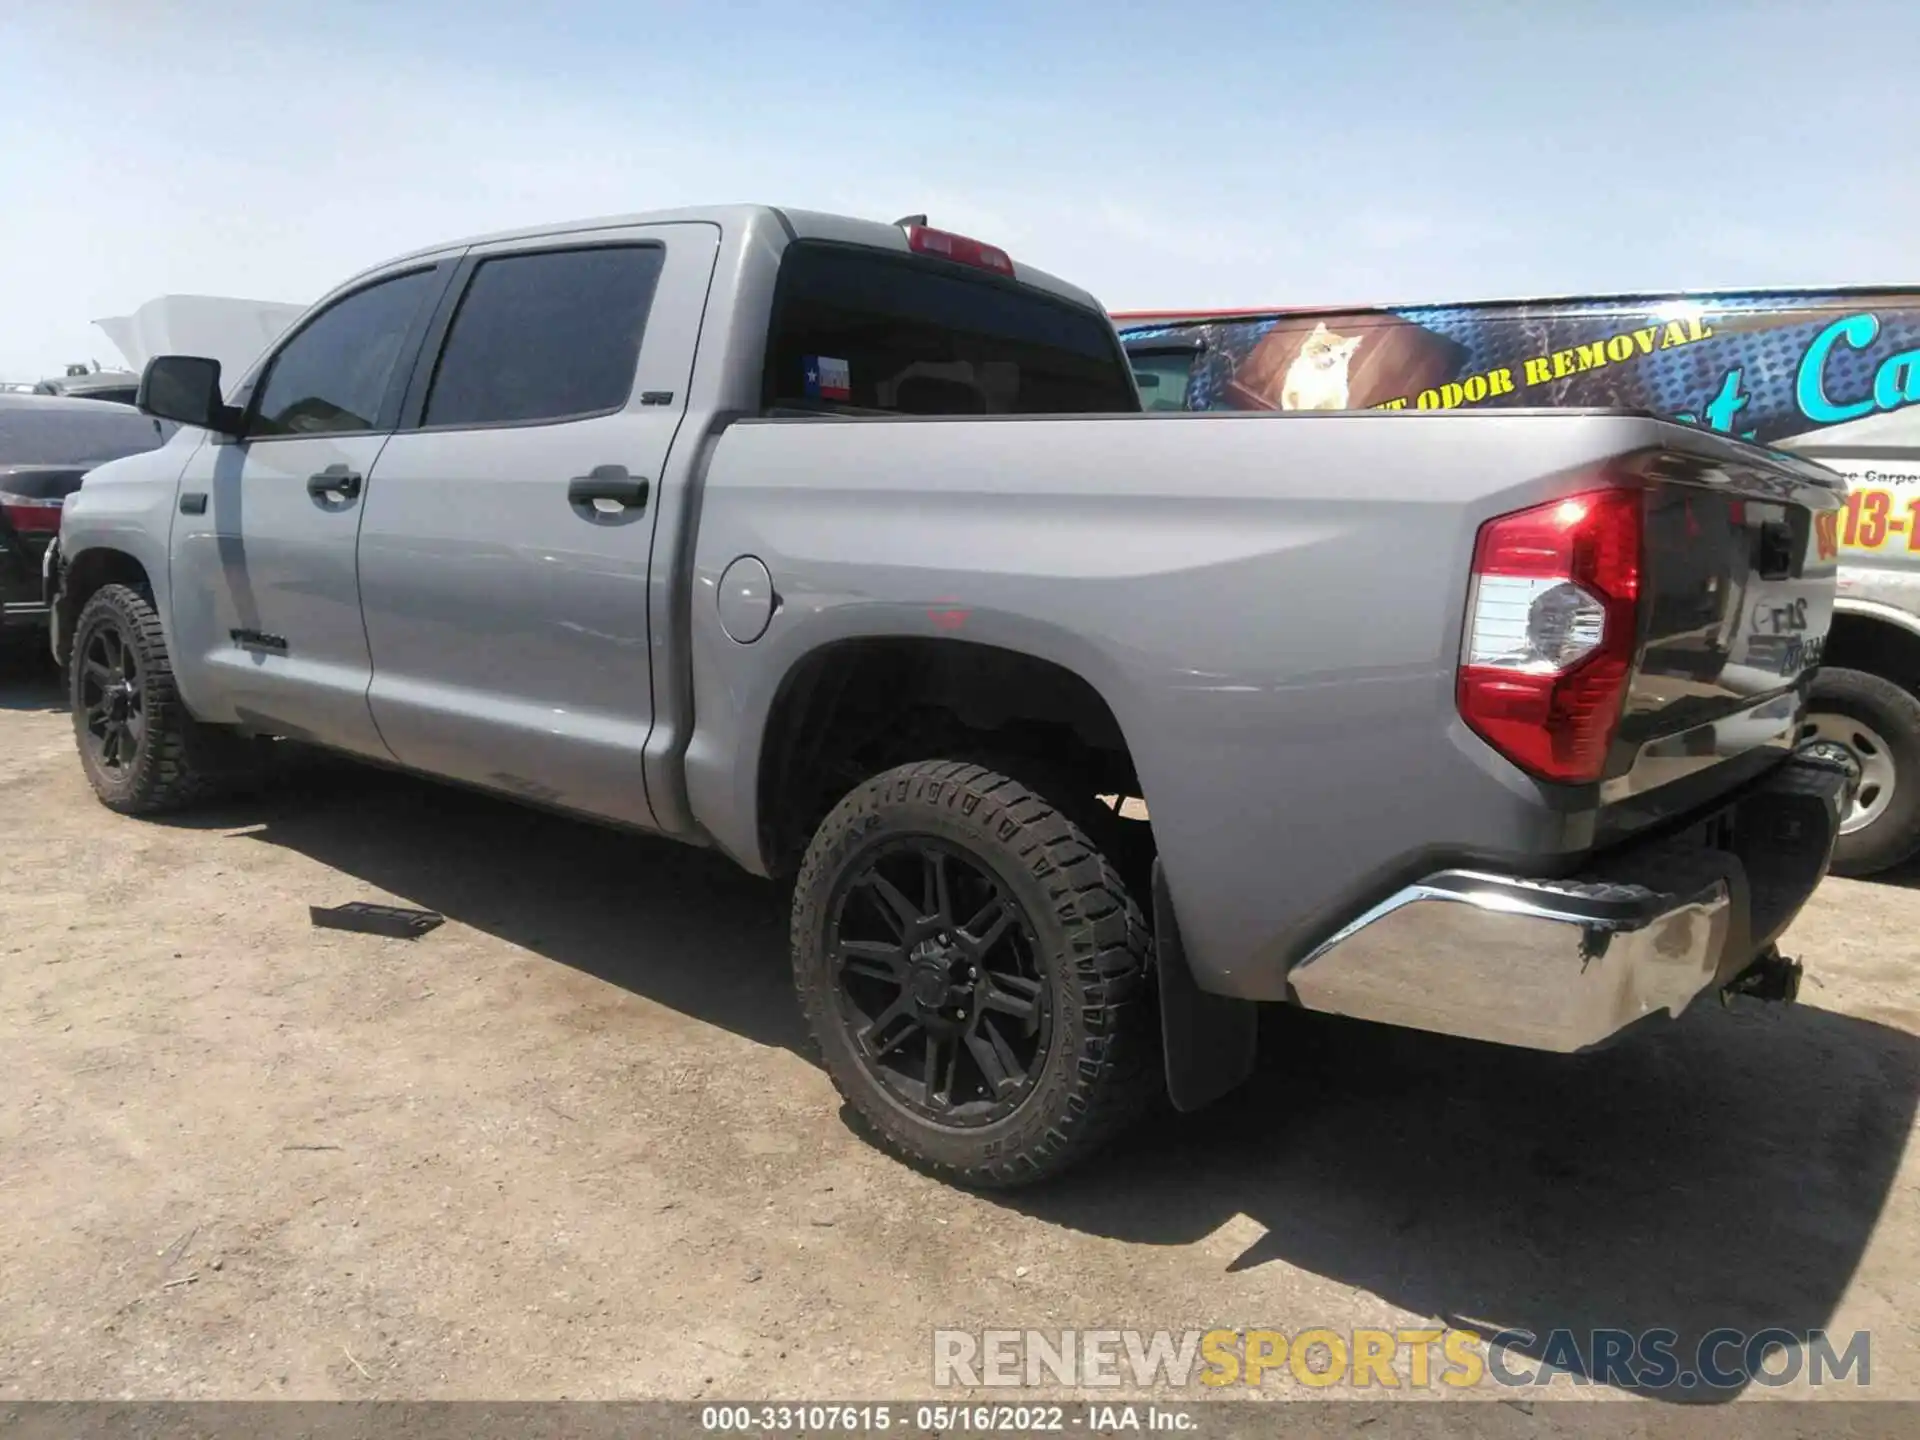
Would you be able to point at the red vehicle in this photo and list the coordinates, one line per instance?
(47, 443)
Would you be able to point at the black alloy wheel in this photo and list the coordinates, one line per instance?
(110, 687)
(938, 983)
(975, 976)
(142, 752)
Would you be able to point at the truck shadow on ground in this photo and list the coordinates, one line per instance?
(1905, 875)
(679, 926)
(28, 681)
(1724, 1171)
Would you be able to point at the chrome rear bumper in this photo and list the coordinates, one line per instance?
(1564, 964)
(1536, 965)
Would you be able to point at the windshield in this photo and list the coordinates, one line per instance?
(45, 430)
(860, 330)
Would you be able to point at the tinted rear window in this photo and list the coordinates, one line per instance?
(862, 331)
(36, 431)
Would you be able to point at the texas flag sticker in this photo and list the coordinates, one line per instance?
(828, 378)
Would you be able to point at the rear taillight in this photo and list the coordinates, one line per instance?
(31, 516)
(959, 249)
(1552, 625)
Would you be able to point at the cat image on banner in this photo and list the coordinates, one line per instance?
(1317, 378)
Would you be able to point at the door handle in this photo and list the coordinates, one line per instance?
(335, 480)
(611, 483)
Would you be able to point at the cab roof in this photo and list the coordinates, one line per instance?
(798, 224)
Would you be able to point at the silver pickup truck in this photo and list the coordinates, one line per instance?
(844, 548)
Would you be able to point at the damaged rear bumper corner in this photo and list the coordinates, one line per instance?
(1563, 965)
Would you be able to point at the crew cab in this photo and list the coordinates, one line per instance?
(846, 549)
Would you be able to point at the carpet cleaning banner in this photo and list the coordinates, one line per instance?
(1761, 367)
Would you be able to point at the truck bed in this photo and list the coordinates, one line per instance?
(1272, 606)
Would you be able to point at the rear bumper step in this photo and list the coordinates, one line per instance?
(1565, 964)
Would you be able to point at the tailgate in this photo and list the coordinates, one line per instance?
(1737, 595)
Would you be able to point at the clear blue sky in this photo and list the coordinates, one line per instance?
(1172, 154)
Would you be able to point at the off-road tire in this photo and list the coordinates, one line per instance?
(1102, 1069)
(1894, 715)
(178, 761)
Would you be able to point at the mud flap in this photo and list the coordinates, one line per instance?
(1209, 1040)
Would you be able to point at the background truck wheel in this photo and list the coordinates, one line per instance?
(142, 752)
(1880, 723)
(974, 974)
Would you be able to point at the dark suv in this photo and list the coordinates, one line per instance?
(47, 443)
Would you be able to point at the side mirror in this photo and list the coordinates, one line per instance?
(186, 388)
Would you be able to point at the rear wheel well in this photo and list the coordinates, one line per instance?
(85, 574)
(1878, 647)
(852, 710)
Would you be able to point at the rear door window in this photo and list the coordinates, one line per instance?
(861, 331)
(551, 335)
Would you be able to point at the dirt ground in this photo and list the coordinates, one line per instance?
(569, 1145)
